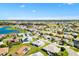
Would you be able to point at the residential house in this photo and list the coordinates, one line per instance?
(75, 35)
(38, 43)
(56, 38)
(66, 40)
(52, 48)
(37, 54)
(68, 36)
(27, 39)
(4, 51)
(47, 37)
(76, 43)
(2, 35)
(1, 43)
(22, 50)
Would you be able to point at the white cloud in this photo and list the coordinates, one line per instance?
(70, 3)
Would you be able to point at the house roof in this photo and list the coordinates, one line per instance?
(39, 43)
(52, 48)
(4, 50)
(37, 54)
(1, 43)
(68, 36)
(22, 50)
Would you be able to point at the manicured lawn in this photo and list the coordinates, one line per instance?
(35, 49)
(14, 48)
(78, 35)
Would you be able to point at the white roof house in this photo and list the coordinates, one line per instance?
(27, 39)
(1, 43)
(21, 34)
(29, 34)
(52, 48)
(56, 38)
(30, 38)
(74, 34)
(66, 40)
(39, 43)
(47, 37)
(37, 54)
(68, 36)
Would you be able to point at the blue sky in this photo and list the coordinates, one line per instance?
(38, 10)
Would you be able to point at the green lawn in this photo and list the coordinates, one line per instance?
(35, 49)
(14, 48)
(78, 36)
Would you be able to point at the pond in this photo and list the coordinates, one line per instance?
(5, 30)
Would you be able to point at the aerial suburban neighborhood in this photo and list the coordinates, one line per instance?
(39, 38)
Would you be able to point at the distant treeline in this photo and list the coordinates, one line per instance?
(77, 20)
(29, 22)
